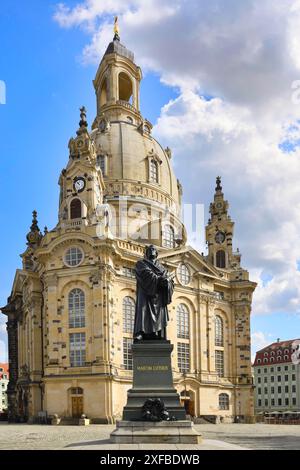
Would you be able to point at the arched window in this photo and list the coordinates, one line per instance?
(125, 87)
(128, 314)
(75, 209)
(223, 401)
(221, 259)
(103, 94)
(182, 314)
(101, 163)
(76, 391)
(168, 238)
(76, 309)
(219, 331)
(184, 274)
(153, 171)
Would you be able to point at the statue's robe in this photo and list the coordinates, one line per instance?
(151, 312)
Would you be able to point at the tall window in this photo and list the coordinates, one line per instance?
(153, 171)
(182, 321)
(168, 238)
(103, 95)
(77, 349)
(224, 401)
(219, 331)
(76, 309)
(125, 88)
(75, 209)
(183, 357)
(221, 259)
(219, 363)
(101, 163)
(184, 274)
(128, 314)
(127, 353)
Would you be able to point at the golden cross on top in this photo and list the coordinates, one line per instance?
(116, 28)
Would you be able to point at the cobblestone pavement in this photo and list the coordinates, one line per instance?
(216, 437)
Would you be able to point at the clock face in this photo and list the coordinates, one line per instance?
(79, 184)
(220, 237)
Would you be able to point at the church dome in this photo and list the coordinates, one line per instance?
(137, 172)
(134, 164)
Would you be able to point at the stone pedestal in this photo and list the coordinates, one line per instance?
(152, 378)
(138, 432)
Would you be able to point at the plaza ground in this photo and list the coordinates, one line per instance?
(96, 437)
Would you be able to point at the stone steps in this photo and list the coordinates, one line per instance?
(137, 432)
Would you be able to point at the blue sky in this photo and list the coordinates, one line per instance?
(42, 65)
(45, 86)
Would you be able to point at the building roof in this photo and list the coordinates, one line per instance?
(276, 353)
(118, 48)
(4, 366)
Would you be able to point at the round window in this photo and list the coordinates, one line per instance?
(184, 275)
(73, 256)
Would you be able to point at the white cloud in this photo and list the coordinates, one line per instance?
(245, 55)
(259, 340)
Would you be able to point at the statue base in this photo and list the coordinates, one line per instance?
(144, 432)
(152, 378)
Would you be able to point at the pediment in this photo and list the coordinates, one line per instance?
(64, 241)
(193, 258)
(18, 283)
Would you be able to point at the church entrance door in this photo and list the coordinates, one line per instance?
(77, 407)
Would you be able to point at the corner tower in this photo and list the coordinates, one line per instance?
(219, 232)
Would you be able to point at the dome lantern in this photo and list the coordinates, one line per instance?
(117, 84)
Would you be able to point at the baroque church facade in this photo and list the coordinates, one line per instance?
(71, 310)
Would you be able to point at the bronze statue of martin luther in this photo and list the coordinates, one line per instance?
(154, 292)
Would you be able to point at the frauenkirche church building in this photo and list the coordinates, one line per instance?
(71, 311)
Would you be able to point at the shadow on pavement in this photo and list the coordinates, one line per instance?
(89, 443)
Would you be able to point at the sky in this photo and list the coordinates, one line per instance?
(222, 88)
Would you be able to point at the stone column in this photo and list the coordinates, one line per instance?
(203, 340)
(210, 334)
(244, 399)
(12, 331)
